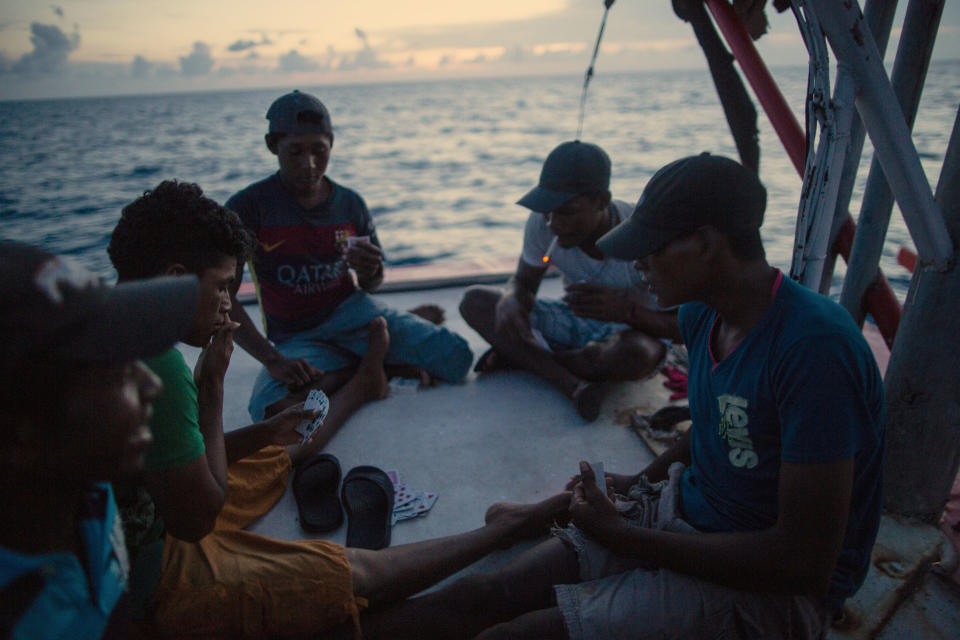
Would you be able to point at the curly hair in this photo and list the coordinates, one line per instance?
(175, 223)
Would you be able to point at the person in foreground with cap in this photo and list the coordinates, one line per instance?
(603, 328)
(311, 231)
(197, 572)
(760, 521)
(76, 401)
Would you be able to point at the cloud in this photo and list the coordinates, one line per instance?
(242, 45)
(292, 62)
(199, 62)
(141, 67)
(366, 58)
(57, 10)
(51, 46)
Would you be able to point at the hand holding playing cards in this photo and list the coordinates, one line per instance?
(365, 258)
(215, 357)
(282, 426)
(296, 373)
(599, 303)
(590, 509)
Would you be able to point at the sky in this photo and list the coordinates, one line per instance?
(110, 47)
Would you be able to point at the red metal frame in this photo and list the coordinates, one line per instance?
(879, 301)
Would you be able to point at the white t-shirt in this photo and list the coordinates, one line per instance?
(575, 265)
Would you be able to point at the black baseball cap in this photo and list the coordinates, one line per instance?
(298, 112)
(572, 169)
(684, 195)
(55, 311)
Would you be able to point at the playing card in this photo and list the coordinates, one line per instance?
(402, 496)
(419, 506)
(394, 476)
(352, 240)
(316, 399)
(599, 476)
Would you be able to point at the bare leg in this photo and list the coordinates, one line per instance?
(545, 624)
(628, 355)
(394, 573)
(476, 602)
(477, 308)
(369, 383)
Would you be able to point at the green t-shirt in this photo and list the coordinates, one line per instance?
(176, 441)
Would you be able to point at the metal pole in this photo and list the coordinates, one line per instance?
(880, 301)
(879, 16)
(853, 43)
(772, 101)
(923, 379)
(909, 72)
(821, 177)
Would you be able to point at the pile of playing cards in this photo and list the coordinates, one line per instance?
(316, 399)
(408, 503)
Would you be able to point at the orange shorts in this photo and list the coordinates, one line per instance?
(237, 584)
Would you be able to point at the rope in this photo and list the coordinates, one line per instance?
(586, 79)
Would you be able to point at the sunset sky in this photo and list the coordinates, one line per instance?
(107, 47)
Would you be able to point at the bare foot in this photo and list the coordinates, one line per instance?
(370, 378)
(522, 521)
(587, 398)
(429, 312)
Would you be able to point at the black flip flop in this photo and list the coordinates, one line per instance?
(490, 361)
(315, 484)
(367, 495)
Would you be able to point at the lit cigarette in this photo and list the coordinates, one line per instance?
(553, 245)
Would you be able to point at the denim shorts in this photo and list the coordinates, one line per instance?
(341, 341)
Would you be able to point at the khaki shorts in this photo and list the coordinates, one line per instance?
(237, 584)
(620, 598)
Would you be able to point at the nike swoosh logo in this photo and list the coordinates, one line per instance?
(270, 247)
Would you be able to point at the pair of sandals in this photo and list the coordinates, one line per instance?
(366, 496)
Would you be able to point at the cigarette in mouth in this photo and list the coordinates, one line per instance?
(553, 245)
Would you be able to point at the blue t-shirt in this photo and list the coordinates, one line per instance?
(75, 600)
(802, 387)
(299, 268)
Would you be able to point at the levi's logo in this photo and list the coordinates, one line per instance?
(733, 429)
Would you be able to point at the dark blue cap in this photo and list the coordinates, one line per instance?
(572, 169)
(298, 112)
(684, 195)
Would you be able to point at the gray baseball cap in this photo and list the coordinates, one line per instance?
(298, 112)
(684, 195)
(53, 310)
(572, 169)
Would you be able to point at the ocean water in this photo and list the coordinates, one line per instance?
(440, 164)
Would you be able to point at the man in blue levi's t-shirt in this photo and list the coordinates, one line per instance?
(311, 233)
(760, 521)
